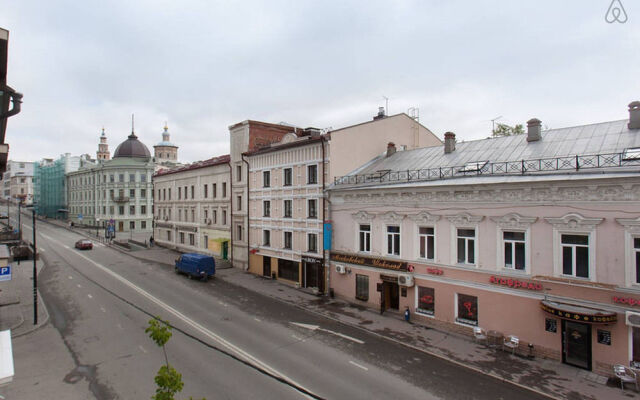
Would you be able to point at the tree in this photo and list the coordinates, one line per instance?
(507, 130)
(169, 380)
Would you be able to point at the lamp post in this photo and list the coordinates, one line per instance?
(19, 224)
(35, 272)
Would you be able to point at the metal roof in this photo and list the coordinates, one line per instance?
(601, 138)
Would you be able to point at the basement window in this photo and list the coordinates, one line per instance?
(473, 166)
(631, 154)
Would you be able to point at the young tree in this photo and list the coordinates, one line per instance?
(506, 130)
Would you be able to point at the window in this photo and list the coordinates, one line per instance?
(169, 235)
(214, 190)
(266, 208)
(288, 239)
(206, 215)
(111, 194)
(132, 177)
(215, 216)
(143, 210)
(266, 179)
(186, 194)
(426, 300)
(121, 178)
(224, 189)
(193, 192)
(112, 210)
(362, 287)
(266, 238)
(169, 193)
(182, 237)
(179, 193)
(205, 242)
(206, 191)
(575, 255)
(143, 224)
(312, 174)
(287, 208)
(313, 210)
(239, 203)
(239, 173)
(132, 225)
(365, 238)
(636, 253)
(426, 239)
(111, 178)
(192, 239)
(143, 193)
(224, 217)
(132, 193)
(179, 214)
(143, 177)
(467, 309)
(120, 210)
(287, 177)
(466, 246)
(132, 210)
(514, 250)
(239, 232)
(288, 269)
(193, 215)
(312, 243)
(393, 240)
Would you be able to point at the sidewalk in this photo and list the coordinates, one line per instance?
(547, 377)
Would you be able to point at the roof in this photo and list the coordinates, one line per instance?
(578, 143)
(165, 144)
(378, 120)
(303, 141)
(196, 165)
(132, 147)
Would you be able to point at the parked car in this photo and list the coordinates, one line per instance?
(196, 265)
(84, 244)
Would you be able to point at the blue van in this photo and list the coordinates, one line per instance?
(196, 265)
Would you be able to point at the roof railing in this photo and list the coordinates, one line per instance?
(519, 167)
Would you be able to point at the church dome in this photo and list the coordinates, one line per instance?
(132, 147)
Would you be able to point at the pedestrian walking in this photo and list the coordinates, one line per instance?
(151, 241)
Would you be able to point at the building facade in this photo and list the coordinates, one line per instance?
(535, 235)
(287, 207)
(165, 153)
(192, 207)
(49, 181)
(114, 194)
(17, 182)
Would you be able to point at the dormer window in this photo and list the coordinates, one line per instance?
(474, 166)
(631, 154)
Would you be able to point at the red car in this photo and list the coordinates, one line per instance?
(84, 244)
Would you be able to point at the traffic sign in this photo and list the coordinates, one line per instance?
(5, 273)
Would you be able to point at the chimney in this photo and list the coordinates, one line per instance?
(534, 130)
(380, 114)
(449, 142)
(634, 115)
(391, 148)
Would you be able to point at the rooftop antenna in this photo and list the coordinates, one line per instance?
(132, 124)
(493, 123)
(386, 105)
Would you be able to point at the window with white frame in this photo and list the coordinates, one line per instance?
(393, 240)
(426, 242)
(312, 243)
(514, 250)
(266, 179)
(239, 232)
(466, 246)
(288, 177)
(575, 255)
(312, 174)
(312, 208)
(362, 287)
(288, 239)
(364, 236)
(266, 237)
(266, 208)
(288, 206)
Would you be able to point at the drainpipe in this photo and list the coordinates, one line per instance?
(231, 211)
(248, 224)
(324, 261)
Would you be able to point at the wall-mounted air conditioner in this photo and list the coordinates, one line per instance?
(341, 269)
(632, 318)
(405, 280)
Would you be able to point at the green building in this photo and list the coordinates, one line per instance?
(50, 194)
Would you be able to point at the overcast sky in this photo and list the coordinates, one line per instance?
(203, 65)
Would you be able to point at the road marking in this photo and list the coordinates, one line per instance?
(70, 277)
(358, 365)
(222, 303)
(41, 250)
(89, 296)
(257, 319)
(64, 245)
(142, 349)
(316, 327)
(297, 338)
(99, 244)
(79, 285)
(102, 309)
(206, 332)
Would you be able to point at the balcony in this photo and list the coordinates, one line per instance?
(120, 199)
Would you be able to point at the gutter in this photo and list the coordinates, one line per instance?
(231, 213)
(248, 223)
(324, 258)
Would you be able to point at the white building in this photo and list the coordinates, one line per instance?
(17, 182)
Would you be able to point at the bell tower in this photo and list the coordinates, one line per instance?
(103, 148)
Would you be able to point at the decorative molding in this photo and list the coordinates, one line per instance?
(392, 217)
(465, 219)
(514, 221)
(574, 222)
(363, 216)
(424, 217)
(632, 225)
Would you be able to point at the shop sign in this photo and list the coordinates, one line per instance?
(514, 283)
(602, 319)
(311, 260)
(626, 300)
(370, 261)
(435, 271)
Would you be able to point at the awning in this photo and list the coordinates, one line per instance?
(578, 313)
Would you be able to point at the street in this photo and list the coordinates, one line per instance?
(228, 342)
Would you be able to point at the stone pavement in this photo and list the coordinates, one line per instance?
(550, 378)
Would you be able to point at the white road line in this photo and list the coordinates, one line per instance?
(206, 332)
(142, 349)
(89, 296)
(64, 245)
(102, 309)
(79, 285)
(296, 338)
(358, 365)
(257, 319)
(41, 250)
(70, 277)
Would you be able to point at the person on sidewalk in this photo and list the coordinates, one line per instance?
(382, 305)
(151, 241)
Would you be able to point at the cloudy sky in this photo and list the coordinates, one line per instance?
(202, 65)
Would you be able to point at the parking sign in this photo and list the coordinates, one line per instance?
(5, 273)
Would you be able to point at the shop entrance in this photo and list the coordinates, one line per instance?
(266, 266)
(312, 273)
(225, 250)
(120, 226)
(390, 293)
(576, 344)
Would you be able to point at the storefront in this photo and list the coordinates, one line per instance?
(312, 273)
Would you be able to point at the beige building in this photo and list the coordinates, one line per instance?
(192, 207)
(17, 182)
(287, 180)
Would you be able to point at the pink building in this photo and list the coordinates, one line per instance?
(535, 235)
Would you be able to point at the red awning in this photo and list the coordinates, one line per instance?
(578, 313)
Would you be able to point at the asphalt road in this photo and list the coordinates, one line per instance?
(228, 342)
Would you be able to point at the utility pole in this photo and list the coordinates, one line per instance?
(35, 272)
(19, 224)
(493, 124)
